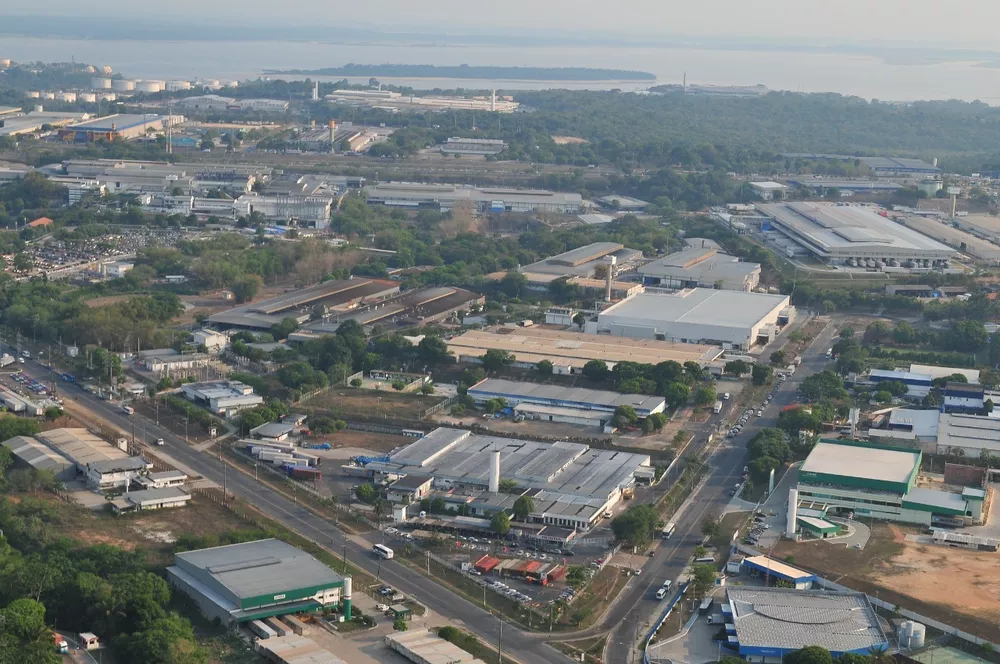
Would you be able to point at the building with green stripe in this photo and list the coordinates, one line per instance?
(875, 481)
(254, 580)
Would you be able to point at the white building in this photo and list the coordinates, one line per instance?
(163, 480)
(769, 190)
(115, 473)
(701, 267)
(167, 360)
(224, 397)
(731, 319)
(210, 339)
(151, 499)
(117, 269)
(307, 210)
(205, 103)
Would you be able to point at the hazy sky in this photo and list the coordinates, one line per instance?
(912, 22)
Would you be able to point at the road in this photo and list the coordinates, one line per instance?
(637, 605)
(520, 645)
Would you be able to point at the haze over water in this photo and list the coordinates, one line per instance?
(862, 75)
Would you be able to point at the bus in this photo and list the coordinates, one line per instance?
(382, 551)
(668, 530)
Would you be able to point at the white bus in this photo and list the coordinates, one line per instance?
(382, 551)
(668, 530)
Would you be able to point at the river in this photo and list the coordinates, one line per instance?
(859, 74)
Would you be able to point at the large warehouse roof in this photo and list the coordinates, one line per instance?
(36, 455)
(566, 468)
(699, 306)
(968, 432)
(578, 396)
(851, 231)
(259, 568)
(80, 446)
(575, 349)
(699, 264)
(786, 619)
(860, 462)
(583, 261)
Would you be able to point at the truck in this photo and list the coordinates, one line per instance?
(62, 647)
(797, 361)
(717, 408)
(128, 410)
(303, 473)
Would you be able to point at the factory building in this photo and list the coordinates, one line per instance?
(896, 167)
(497, 200)
(473, 146)
(119, 126)
(701, 267)
(223, 397)
(572, 484)
(946, 434)
(29, 453)
(205, 103)
(397, 101)
(854, 235)
(570, 351)
(847, 187)
(731, 319)
(555, 403)
(587, 261)
(765, 624)
(33, 121)
(879, 482)
(622, 203)
(918, 385)
(254, 580)
(769, 190)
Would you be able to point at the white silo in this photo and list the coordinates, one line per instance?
(793, 512)
(88, 97)
(122, 84)
(107, 96)
(149, 86)
(69, 97)
(32, 94)
(233, 84)
(100, 83)
(918, 635)
(107, 70)
(495, 471)
(175, 86)
(90, 69)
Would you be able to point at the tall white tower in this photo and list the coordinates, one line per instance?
(495, 471)
(793, 512)
(609, 263)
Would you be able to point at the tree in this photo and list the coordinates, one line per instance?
(809, 655)
(636, 526)
(496, 359)
(882, 396)
(705, 395)
(595, 370)
(769, 443)
(824, 385)
(365, 493)
(676, 394)
(500, 523)
(23, 262)
(876, 333)
(904, 333)
(356, 382)
(702, 579)
(523, 507)
(799, 419)
(736, 367)
(284, 328)
(398, 385)
(399, 624)
(433, 350)
(580, 319)
(512, 284)
(625, 416)
(659, 420)
(711, 526)
(245, 289)
(427, 388)
(544, 367)
(778, 358)
(761, 375)
(846, 332)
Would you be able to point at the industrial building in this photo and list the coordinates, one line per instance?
(731, 319)
(103, 465)
(29, 453)
(769, 190)
(570, 351)
(168, 360)
(701, 267)
(150, 499)
(895, 166)
(849, 186)
(571, 484)
(387, 99)
(205, 103)
(774, 571)
(765, 624)
(918, 385)
(473, 146)
(119, 126)
(337, 296)
(15, 403)
(33, 121)
(426, 647)
(222, 397)
(497, 199)
(584, 261)
(874, 481)
(253, 580)
(622, 203)
(593, 403)
(164, 178)
(596, 288)
(854, 235)
(947, 434)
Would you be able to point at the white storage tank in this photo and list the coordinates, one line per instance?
(5, 62)
(174, 86)
(100, 83)
(89, 97)
(107, 96)
(48, 95)
(149, 86)
(38, 108)
(123, 84)
(66, 96)
(106, 70)
(32, 94)
(918, 635)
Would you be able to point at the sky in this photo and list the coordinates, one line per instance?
(897, 22)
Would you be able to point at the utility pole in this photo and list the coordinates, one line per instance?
(500, 640)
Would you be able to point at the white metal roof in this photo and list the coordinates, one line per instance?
(699, 306)
(869, 463)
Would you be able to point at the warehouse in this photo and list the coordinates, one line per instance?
(918, 384)
(622, 203)
(576, 398)
(769, 623)
(446, 196)
(121, 126)
(774, 571)
(896, 166)
(426, 647)
(701, 267)
(731, 319)
(840, 234)
(852, 186)
(584, 261)
(476, 146)
(875, 481)
(253, 580)
(150, 499)
(412, 308)
(569, 352)
(343, 295)
(29, 453)
(222, 397)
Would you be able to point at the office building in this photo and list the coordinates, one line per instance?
(731, 319)
(254, 580)
(854, 235)
(701, 267)
(222, 397)
(769, 190)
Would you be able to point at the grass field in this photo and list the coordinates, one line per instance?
(370, 405)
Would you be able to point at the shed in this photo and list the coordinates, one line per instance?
(398, 611)
(89, 641)
(818, 527)
(779, 571)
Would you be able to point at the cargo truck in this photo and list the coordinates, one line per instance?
(717, 408)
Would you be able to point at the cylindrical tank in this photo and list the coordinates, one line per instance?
(107, 96)
(918, 635)
(100, 83)
(232, 84)
(48, 95)
(5, 62)
(173, 86)
(792, 514)
(123, 84)
(88, 97)
(66, 96)
(90, 69)
(106, 70)
(149, 86)
(32, 94)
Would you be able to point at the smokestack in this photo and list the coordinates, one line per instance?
(495, 471)
(347, 598)
(610, 261)
(493, 104)
(793, 512)
(316, 91)
(935, 162)
(333, 133)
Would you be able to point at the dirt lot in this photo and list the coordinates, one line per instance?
(365, 440)
(105, 301)
(955, 586)
(371, 405)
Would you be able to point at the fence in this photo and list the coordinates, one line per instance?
(662, 619)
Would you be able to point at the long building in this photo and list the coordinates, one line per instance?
(842, 233)
(731, 319)
(570, 351)
(584, 261)
(117, 126)
(496, 199)
(701, 267)
(254, 580)
(875, 481)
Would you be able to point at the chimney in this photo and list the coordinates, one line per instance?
(316, 91)
(495, 471)
(493, 103)
(347, 598)
(610, 262)
(793, 512)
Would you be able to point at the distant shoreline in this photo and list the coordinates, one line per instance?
(460, 72)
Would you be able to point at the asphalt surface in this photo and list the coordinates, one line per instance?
(525, 647)
(637, 605)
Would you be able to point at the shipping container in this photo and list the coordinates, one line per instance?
(261, 630)
(486, 564)
(276, 625)
(304, 473)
